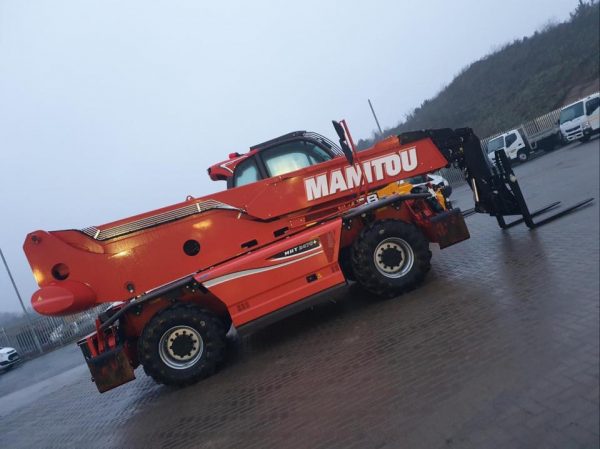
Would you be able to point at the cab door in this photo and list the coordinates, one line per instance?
(592, 110)
(511, 145)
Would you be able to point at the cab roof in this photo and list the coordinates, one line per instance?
(589, 97)
(224, 170)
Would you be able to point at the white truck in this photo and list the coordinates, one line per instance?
(581, 119)
(541, 133)
(513, 144)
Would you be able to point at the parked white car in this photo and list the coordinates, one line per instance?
(580, 120)
(8, 357)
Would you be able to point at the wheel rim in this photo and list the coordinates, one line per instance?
(180, 347)
(393, 257)
(523, 156)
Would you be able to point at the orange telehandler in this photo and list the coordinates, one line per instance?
(301, 215)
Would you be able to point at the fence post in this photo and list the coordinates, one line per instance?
(5, 339)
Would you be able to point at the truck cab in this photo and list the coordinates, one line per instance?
(581, 119)
(513, 144)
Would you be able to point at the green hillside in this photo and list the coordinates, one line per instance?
(523, 80)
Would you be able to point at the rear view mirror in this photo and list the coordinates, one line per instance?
(339, 129)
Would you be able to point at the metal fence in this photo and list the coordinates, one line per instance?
(51, 332)
(542, 123)
(532, 128)
(453, 175)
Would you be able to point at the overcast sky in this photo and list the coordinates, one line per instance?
(111, 108)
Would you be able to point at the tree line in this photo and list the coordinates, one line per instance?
(521, 81)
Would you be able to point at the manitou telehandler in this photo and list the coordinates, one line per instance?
(300, 216)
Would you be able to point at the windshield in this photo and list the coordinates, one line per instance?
(293, 156)
(495, 144)
(571, 112)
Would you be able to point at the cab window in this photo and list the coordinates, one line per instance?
(510, 139)
(245, 173)
(592, 105)
(292, 156)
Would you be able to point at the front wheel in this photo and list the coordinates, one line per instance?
(390, 257)
(523, 156)
(181, 345)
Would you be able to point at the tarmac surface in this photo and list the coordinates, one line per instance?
(498, 349)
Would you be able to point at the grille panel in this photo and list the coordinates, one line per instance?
(156, 220)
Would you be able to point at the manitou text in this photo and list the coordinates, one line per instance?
(390, 165)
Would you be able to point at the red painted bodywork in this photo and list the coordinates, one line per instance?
(132, 264)
(262, 247)
(259, 283)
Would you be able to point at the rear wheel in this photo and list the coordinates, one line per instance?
(182, 344)
(390, 257)
(523, 155)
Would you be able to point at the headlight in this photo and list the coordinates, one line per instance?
(586, 125)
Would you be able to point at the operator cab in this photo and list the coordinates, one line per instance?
(275, 157)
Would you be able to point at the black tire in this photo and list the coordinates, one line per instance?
(390, 257)
(584, 139)
(523, 156)
(197, 347)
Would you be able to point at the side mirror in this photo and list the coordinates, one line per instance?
(339, 129)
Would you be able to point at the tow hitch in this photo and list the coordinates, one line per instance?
(106, 358)
(110, 369)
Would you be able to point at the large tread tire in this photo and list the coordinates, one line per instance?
(211, 329)
(364, 253)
